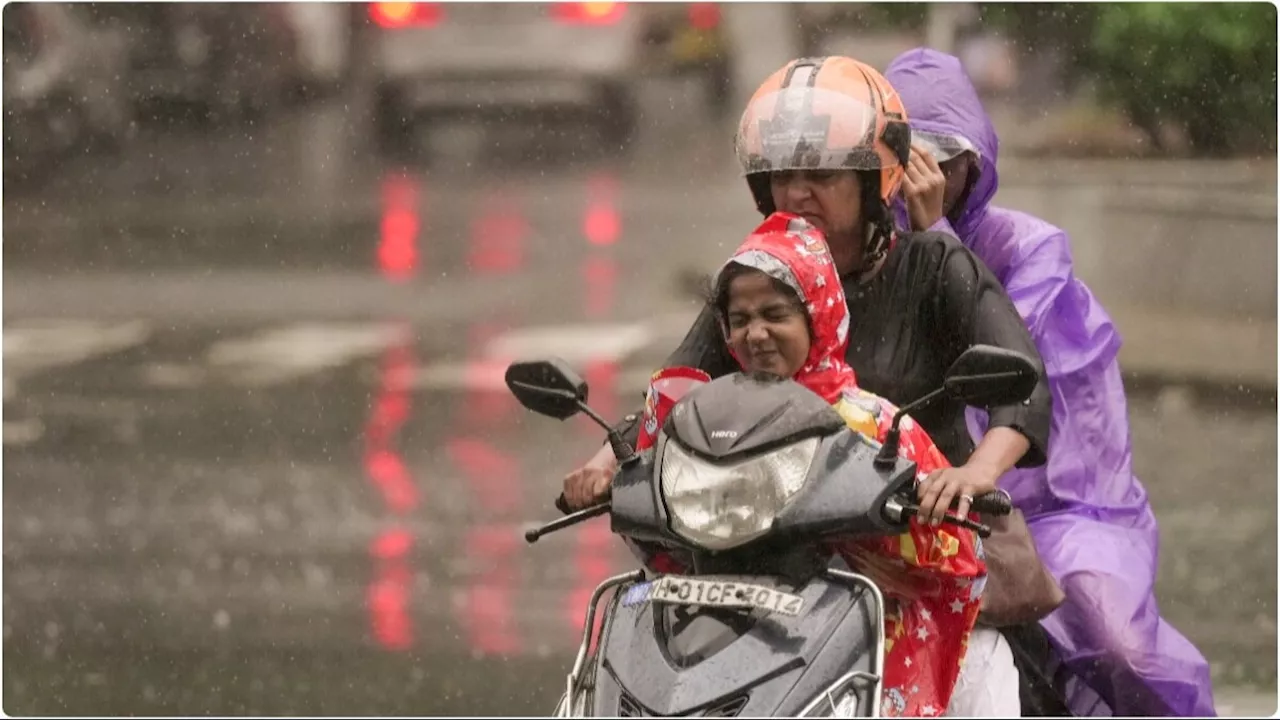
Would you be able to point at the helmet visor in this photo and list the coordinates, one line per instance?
(806, 128)
(943, 147)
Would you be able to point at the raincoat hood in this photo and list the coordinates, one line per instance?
(790, 250)
(940, 99)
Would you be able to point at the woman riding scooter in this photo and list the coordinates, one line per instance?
(827, 139)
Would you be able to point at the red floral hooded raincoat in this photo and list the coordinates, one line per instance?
(932, 577)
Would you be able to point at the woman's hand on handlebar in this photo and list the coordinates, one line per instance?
(589, 484)
(942, 487)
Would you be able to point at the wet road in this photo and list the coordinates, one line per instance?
(257, 455)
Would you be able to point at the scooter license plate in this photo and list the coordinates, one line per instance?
(722, 593)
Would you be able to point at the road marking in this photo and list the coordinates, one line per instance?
(23, 432)
(32, 346)
(40, 344)
(174, 376)
(578, 345)
(272, 356)
(279, 355)
(594, 342)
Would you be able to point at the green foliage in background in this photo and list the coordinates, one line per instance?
(1209, 66)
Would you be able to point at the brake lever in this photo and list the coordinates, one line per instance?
(563, 505)
(984, 531)
(532, 536)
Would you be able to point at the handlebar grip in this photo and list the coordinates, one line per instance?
(996, 502)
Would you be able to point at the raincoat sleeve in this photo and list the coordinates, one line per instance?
(976, 308)
(703, 348)
(1035, 280)
(1071, 329)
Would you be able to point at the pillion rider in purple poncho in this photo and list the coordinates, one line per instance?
(1088, 514)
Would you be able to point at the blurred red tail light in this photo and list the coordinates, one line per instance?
(704, 15)
(589, 13)
(392, 15)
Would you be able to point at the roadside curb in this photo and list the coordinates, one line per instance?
(1230, 354)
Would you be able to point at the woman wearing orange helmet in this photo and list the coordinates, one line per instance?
(827, 139)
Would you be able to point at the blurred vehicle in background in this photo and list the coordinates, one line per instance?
(498, 59)
(233, 60)
(63, 86)
(689, 39)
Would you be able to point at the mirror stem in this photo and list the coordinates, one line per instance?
(888, 455)
(621, 449)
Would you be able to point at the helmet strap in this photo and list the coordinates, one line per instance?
(875, 244)
(878, 223)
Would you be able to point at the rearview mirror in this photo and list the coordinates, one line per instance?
(547, 387)
(985, 376)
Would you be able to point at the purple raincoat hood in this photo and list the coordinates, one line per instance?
(940, 99)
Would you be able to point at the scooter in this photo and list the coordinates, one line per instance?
(749, 478)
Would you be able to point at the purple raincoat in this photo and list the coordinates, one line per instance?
(1087, 512)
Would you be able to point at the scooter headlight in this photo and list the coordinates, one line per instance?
(724, 506)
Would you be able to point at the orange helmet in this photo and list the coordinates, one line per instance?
(831, 113)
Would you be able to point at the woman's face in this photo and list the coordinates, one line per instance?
(956, 171)
(831, 200)
(768, 328)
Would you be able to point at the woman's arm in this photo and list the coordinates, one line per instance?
(977, 311)
(999, 452)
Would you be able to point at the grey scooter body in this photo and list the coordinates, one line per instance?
(659, 659)
(824, 659)
(662, 660)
